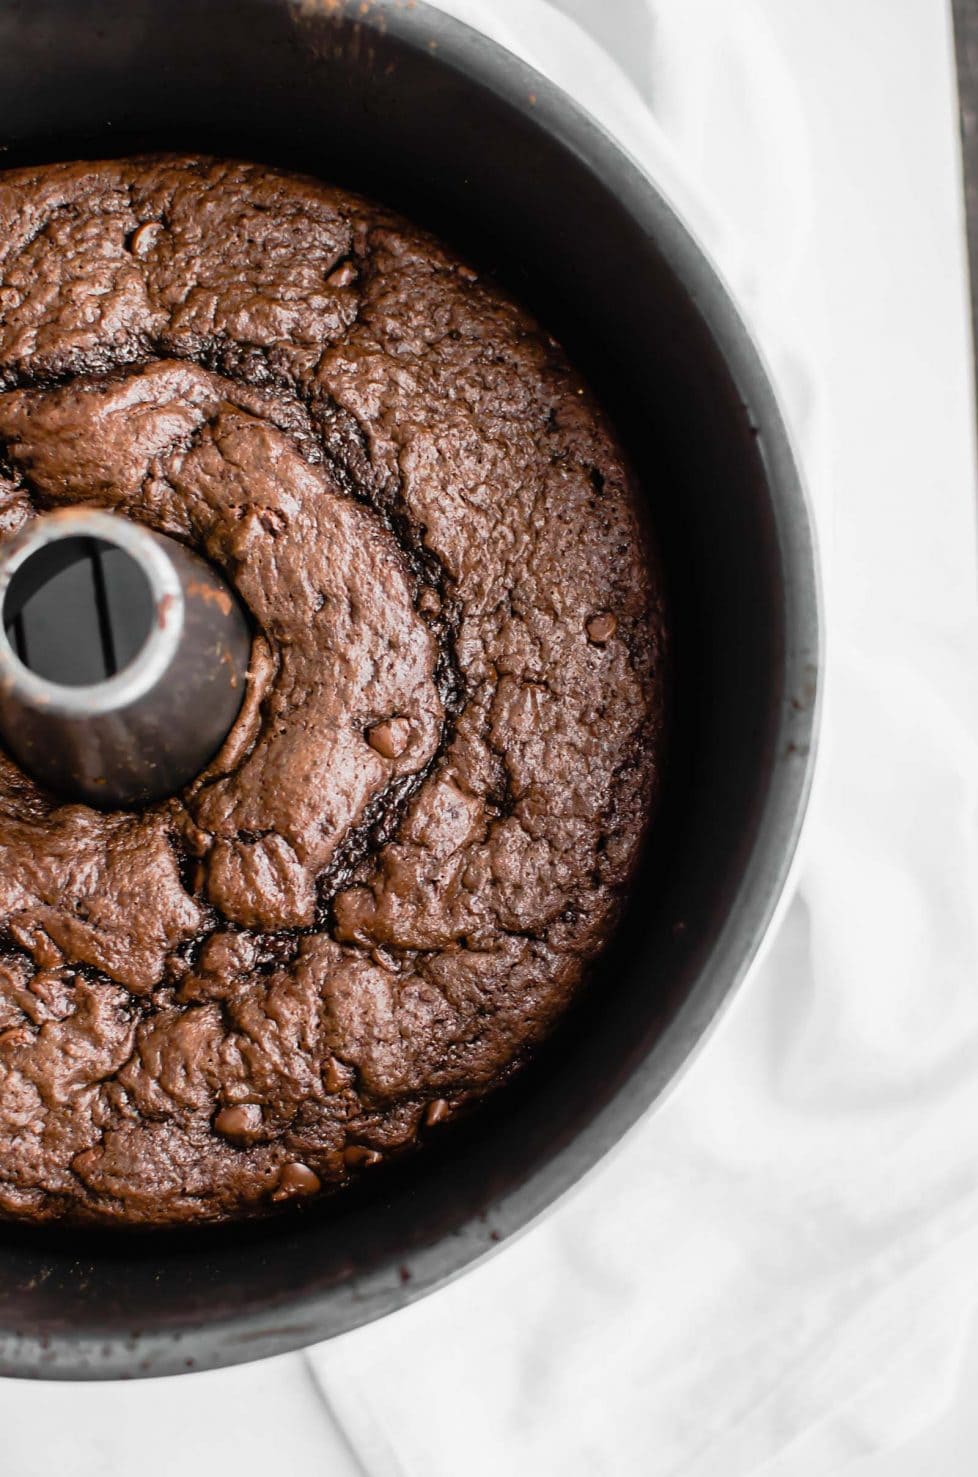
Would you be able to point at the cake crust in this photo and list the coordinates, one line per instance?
(393, 877)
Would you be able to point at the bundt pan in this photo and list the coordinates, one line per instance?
(395, 100)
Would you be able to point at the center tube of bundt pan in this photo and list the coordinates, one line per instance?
(123, 658)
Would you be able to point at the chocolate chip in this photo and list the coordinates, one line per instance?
(358, 1156)
(142, 239)
(296, 1179)
(436, 1112)
(241, 1124)
(601, 627)
(342, 276)
(390, 738)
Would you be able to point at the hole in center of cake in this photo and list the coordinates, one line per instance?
(78, 611)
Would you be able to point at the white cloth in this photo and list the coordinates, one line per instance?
(776, 1271)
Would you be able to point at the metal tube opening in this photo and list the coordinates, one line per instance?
(123, 657)
(78, 610)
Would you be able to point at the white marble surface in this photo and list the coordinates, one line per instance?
(871, 318)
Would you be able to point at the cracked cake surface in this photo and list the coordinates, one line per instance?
(392, 878)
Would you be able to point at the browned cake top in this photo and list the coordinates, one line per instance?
(391, 878)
